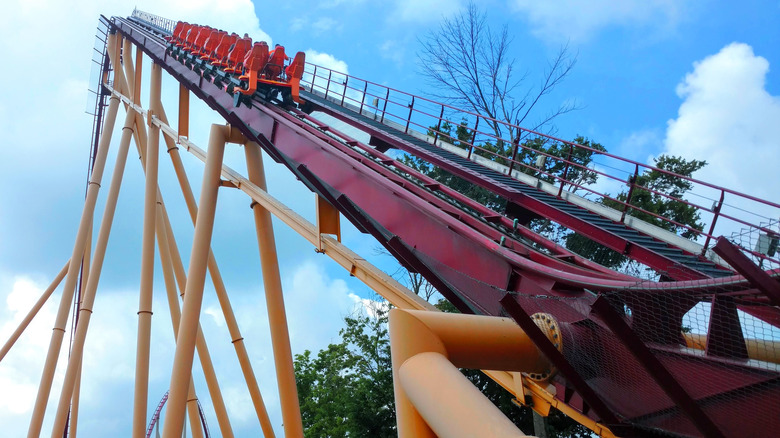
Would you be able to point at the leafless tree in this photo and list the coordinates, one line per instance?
(470, 66)
(419, 285)
(413, 280)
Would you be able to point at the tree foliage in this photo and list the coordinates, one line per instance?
(347, 389)
(644, 197)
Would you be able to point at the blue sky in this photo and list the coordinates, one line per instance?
(697, 78)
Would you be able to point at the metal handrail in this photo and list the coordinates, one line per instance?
(407, 115)
(345, 88)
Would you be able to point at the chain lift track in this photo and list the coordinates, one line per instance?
(467, 259)
(614, 352)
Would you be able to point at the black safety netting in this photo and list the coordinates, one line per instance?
(706, 357)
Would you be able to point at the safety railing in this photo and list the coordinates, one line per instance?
(162, 23)
(566, 165)
(588, 171)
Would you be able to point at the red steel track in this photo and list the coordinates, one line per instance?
(478, 259)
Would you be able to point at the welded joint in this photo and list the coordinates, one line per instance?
(420, 340)
(233, 135)
(239, 339)
(227, 183)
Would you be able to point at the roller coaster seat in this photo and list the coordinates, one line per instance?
(275, 63)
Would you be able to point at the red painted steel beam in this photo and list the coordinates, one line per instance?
(755, 275)
(270, 127)
(600, 235)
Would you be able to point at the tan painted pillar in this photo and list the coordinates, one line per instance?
(147, 261)
(173, 308)
(87, 215)
(88, 298)
(196, 277)
(224, 302)
(450, 404)
(33, 311)
(73, 422)
(465, 341)
(73, 418)
(277, 318)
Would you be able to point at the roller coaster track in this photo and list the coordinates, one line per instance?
(479, 261)
(626, 363)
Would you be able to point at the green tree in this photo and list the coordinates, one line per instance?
(347, 389)
(644, 197)
(555, 164)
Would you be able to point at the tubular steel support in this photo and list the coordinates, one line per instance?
(450, 404)
(33, 311)
(173, 307)
(426, 349)
(222, 296)
(88, 299)
(196, 277)
(58, 331)
(277, 318)
(147, 258)
(184, 111)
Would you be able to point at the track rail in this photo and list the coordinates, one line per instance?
(469, 258)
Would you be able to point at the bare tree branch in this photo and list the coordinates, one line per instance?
(468, 64)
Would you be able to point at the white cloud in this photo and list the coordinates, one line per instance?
(728, 118)
(298, 23)
(326, 60)
(316, 305)
(333, 82)
(580, 19)
(393, 50)
(324, 25)
(425, 11)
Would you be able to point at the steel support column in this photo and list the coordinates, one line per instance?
(88, 299)
(219, 286)
(277, 318)
(420, 340)
(196, 277)
(33, 311)
(141, 393)
(173, 307)
(450, 404)
(58, 331)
